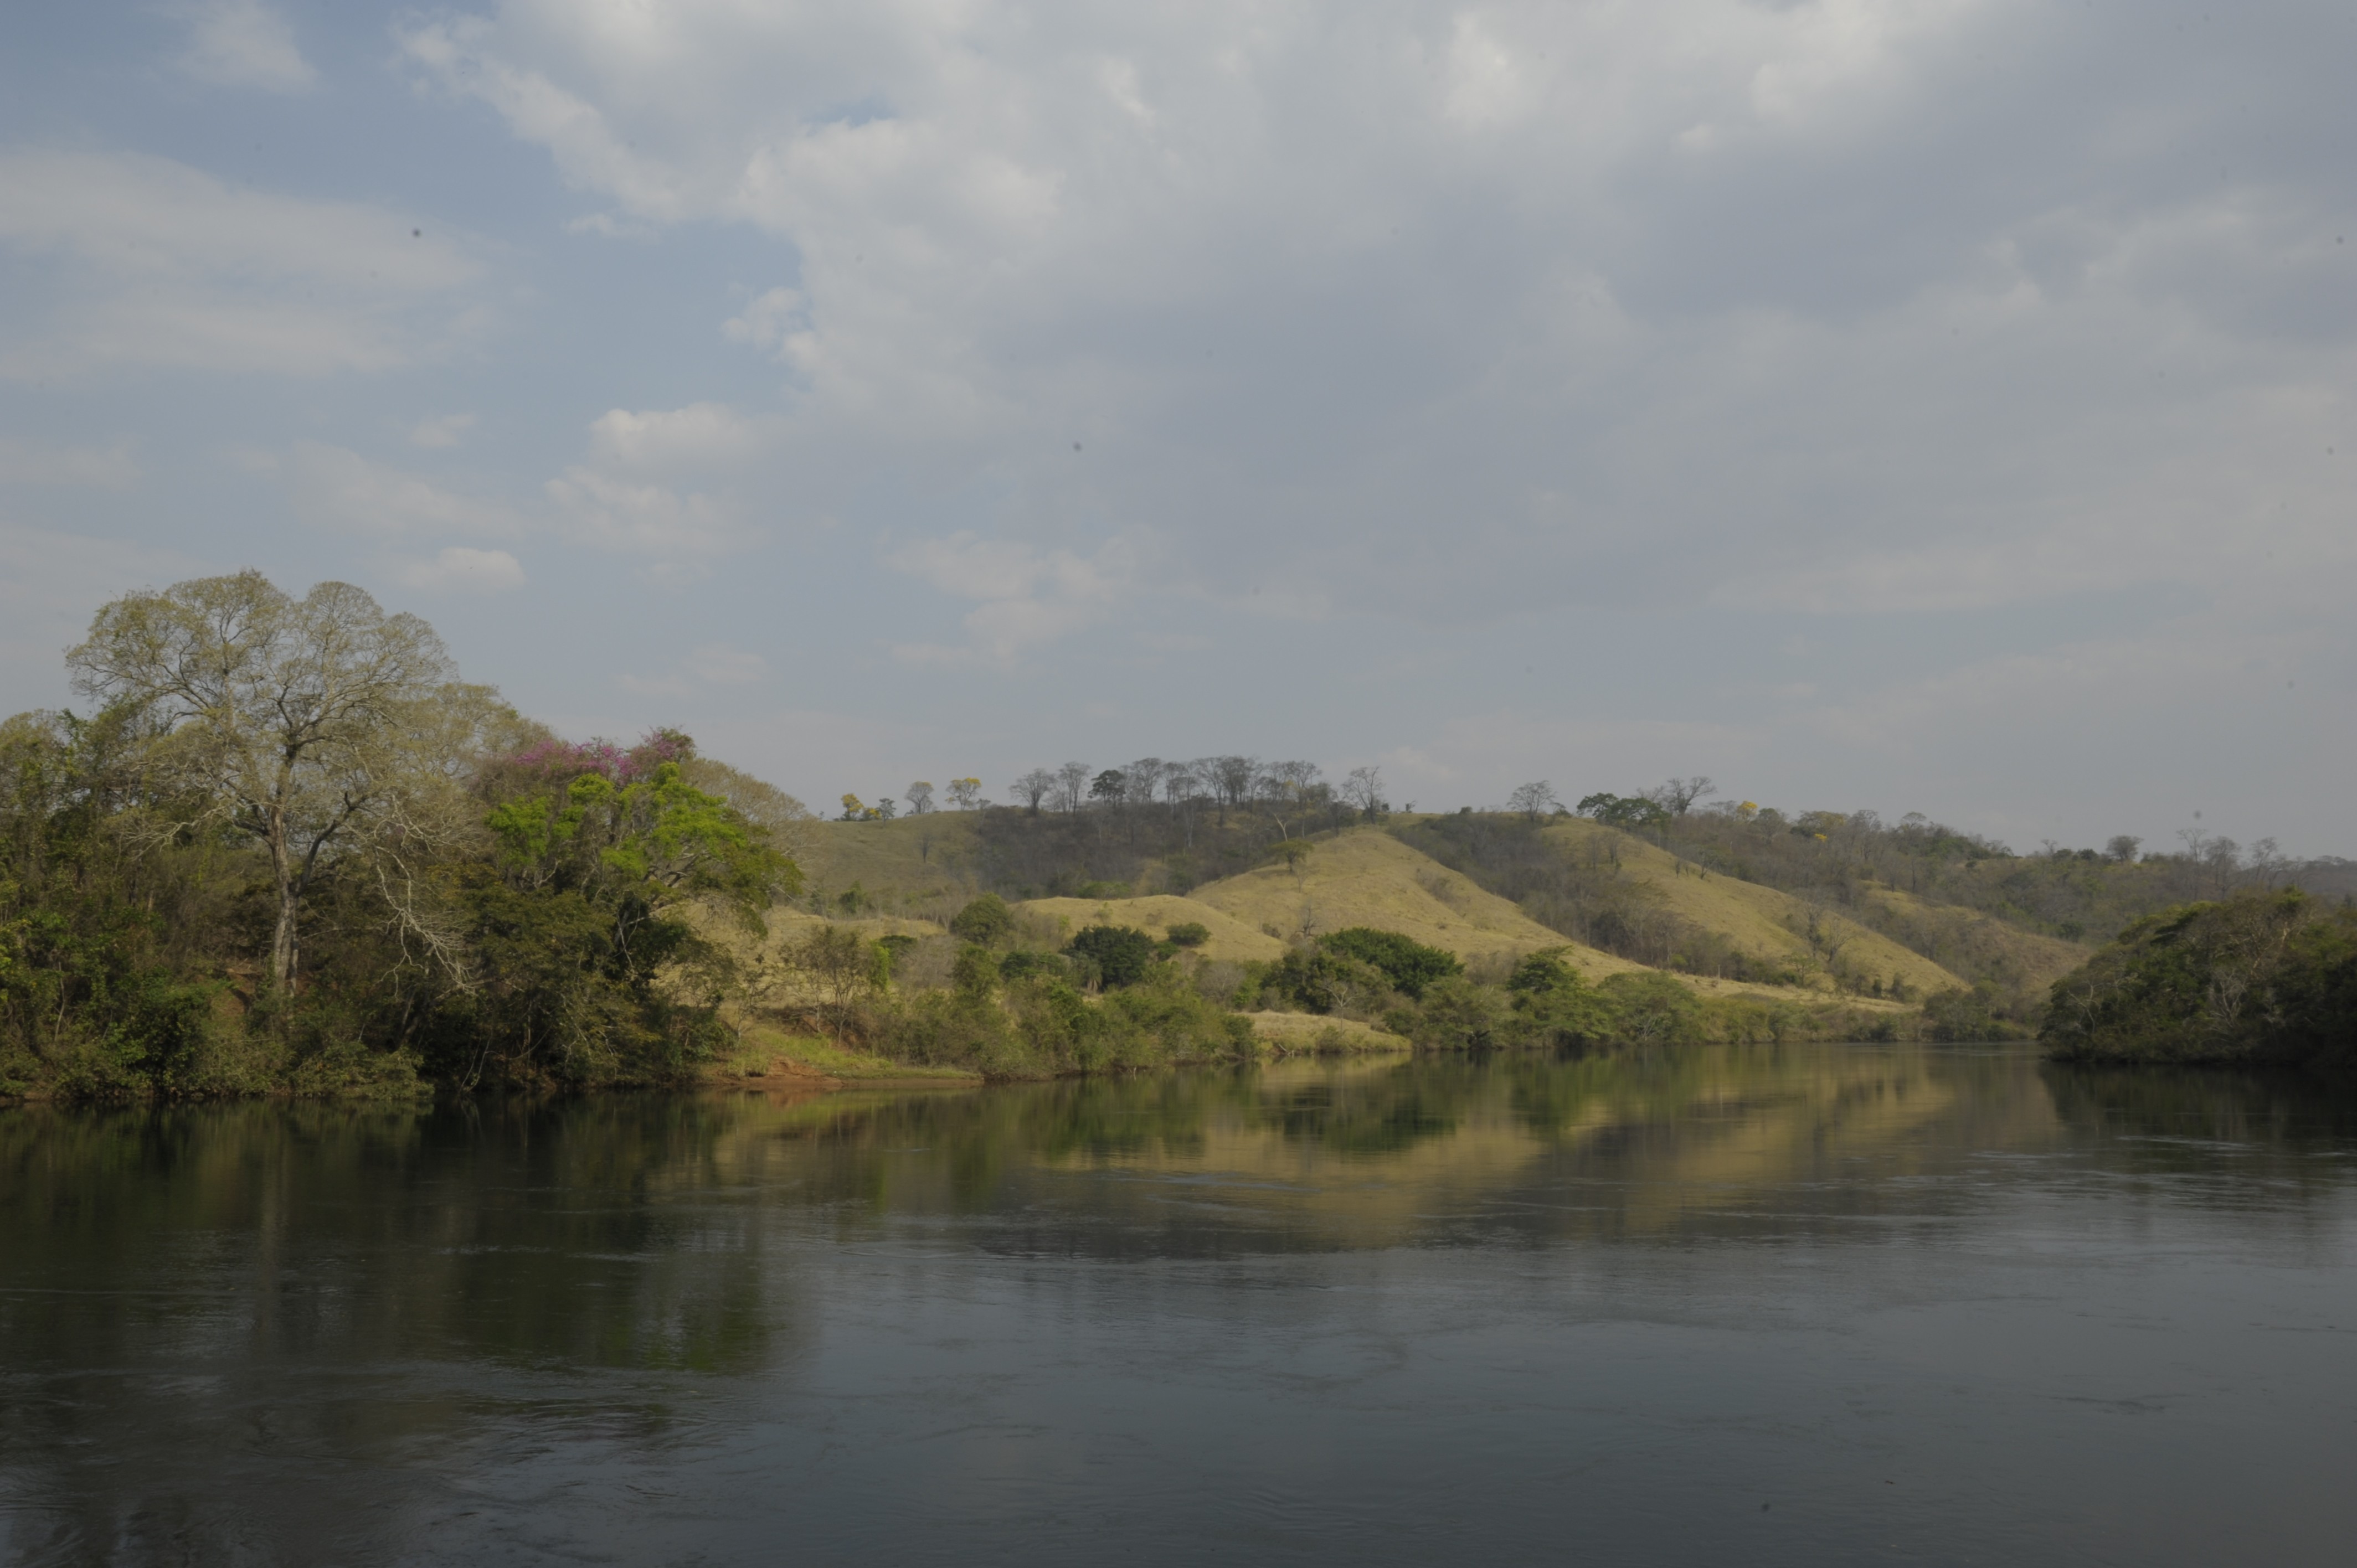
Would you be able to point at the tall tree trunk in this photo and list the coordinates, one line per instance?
(282, 942)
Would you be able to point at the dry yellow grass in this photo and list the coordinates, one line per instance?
(1366, 877)
(1314, 1032)
(782, 1061)
(2032, 961)
(792, 925)
(1155, 914)
(912, 857)
(1759, 920)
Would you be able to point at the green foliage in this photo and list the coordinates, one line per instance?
(1041, 1027)
(2258, 978)
(1315, 980)
(985, 920)
(1553, 1004)
(1652, 1008)
(889, 949)
(1457, 1015)
(477, 903)
(1968, 1013)
(1188, 934)
(1119, 955)
(975, 973)
(1408, 964)
(1633, 812)
(1024, 964)
(656, 837)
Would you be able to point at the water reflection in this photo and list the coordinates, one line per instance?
(282, 1333)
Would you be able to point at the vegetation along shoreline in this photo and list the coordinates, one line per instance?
(286, 850)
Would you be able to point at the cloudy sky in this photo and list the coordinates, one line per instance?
(1914, 405)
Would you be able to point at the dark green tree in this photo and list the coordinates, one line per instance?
(1119, 954)
(985, 920)
(1408, 964)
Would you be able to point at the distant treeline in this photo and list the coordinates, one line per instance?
(1152, 809)
(1158, 826)
(285, 848)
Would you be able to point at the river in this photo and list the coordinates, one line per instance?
(1804, 1304)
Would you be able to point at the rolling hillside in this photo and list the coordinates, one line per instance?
(1363, 876)
(1231, 937)
(1978, 944)
(923, 869)
(1757, 920)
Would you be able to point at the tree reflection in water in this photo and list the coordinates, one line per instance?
(292, 1332)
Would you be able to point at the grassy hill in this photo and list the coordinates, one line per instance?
(1363, 876)
(1487, 888)
(1773, 927)
(1230, 939)
(2017, 961)
(910, 876)
(924, 866)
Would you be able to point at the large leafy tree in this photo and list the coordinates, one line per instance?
(293, 716)
(582, 909)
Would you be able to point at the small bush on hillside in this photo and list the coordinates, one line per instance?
(1553, 1005)
(1408, 964)
(892, 946)
(1653, 1009)
(1316, 981)
(1961, 1014)
(1119, 954)
(987, 919)
(1041, 1027)
(1456, 1016)
(1023, 964)
(1190, 934)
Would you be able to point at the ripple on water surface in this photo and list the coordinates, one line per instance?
(1795, 1305)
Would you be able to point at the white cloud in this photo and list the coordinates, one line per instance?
(1449, 312)
(711, 664)
(718, 664)
(243, 43)
(679, 532)
(1029, 597)
(775, 320)
(458, 568)
(701, 435)
(337, 487)
(151, 263)
(609, 501)
(110, 468)
(443, 430)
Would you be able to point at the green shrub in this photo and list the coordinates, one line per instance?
(1044, 1026)
(987, 919)
(1967, 1013)
(1022, 965)
(1652, 1008)
(1188, 934)
(1316, 981)
(1408, 964)
(1119, 954)
(1553, 1005)
(1457, 1015)
(889, 949)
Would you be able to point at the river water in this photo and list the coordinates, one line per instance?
(1778, 1304)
